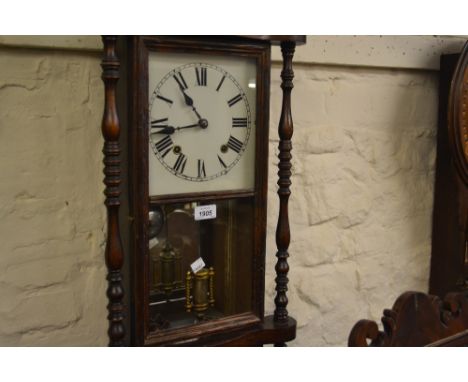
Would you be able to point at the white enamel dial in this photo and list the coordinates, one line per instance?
(201, 124)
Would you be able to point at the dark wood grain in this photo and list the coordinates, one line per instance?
(449, 266)
(268, 332)
(416, 319)
(139, 48)
(458, 116)
(250, 328)
(458, 138)
(200, 196)
(447, 253)
(114, 253)
(283, 236)
(278, 39)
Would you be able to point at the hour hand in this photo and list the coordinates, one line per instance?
(164, 130)
(188, 99)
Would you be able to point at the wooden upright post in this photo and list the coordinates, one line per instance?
(114, 253)
(285, 130)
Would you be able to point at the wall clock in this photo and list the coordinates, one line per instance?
(186, 141)
(458, 138)
(449, 259)
(457, 115)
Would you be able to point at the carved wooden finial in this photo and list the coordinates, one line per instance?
(114, 253)
(285, 131)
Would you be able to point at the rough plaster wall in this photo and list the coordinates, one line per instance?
(52, 274)
(361, 202)
(362, 194)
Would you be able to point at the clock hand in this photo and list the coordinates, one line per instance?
(188, 126)
(189, 102)
(188, 99)
(165, 130)
(171, 129)
(196, 112)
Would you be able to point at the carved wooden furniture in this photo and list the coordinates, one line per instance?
(449, 266)
(419, 319)
(126, 95)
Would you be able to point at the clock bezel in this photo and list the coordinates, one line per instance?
(140, 201)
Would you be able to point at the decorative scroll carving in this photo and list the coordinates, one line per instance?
(416, 319)
(285, 131)
(114, 253)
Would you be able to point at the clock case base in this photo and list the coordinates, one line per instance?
(247, 329)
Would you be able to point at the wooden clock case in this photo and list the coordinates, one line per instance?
(125, 129)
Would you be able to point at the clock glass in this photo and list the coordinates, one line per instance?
(202, 123)
(201, 172)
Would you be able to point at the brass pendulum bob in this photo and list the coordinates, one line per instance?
(168, 263)
(199, 291)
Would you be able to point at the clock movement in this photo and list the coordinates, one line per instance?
(186, 144)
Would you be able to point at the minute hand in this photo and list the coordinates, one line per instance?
(171, 130)
(188, 126)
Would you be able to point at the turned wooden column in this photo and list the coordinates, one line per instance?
(285, 130)
(114, 253)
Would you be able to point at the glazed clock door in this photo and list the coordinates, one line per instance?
(205, 142)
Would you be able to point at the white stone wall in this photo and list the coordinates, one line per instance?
(52, 272)
(360, 210)
(361, 204)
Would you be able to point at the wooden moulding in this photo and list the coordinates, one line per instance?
(417, 319)
(279, 39)
(449, 259)
(269, 332)
(448, 235)
(458, 139)
(137, 60)
(251, 328)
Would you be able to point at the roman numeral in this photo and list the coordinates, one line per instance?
(201, 168)
(234, 144)
(239, 122)
(159, 123)
(165, 99)
(163, 144)
(201, 76)
(221, 161)
(180, 163)
(180, 80)
(166, 152)
(234, 100)
(220, 83)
